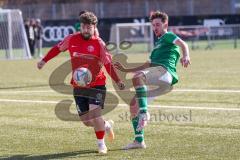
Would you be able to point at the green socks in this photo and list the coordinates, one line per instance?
(141, 98)
(139, 136)
(141, 93)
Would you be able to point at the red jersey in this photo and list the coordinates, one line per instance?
(91, 54)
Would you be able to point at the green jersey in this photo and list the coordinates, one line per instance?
(166, 54)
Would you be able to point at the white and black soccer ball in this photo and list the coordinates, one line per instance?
(82, 76)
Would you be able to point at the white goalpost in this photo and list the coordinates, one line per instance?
(13, 41)
(138, 36)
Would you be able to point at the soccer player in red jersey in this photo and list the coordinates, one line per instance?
(77, 26)
(88, 50)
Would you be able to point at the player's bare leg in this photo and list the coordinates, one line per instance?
(87, 121)
(108, 125)
(99, 127)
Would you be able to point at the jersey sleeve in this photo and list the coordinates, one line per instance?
(106, 60)
(58, 48)
(105, 56)
(64, 44)
(171, 37)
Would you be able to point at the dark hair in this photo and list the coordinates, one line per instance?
(82, 12)
(88, 18)
(157, 14)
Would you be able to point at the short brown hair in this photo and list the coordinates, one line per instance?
(82, 12)
(88, 18)
(157, 14)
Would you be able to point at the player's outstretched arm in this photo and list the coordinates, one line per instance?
(120, 67)
(54, 51)
(106, 59)
(113, 74)
(185, 60)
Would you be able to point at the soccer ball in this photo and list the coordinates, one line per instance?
(82, 76)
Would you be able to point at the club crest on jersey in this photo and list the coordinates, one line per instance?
(90, 48)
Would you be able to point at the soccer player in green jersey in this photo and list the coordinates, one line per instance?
(160, 70)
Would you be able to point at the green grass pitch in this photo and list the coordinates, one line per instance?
(206, 102)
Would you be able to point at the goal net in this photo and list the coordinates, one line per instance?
(131, 38)
(13, 41)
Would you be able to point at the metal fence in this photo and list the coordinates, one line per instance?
(127, 8)
(209, 37)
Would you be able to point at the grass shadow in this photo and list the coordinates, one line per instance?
(83, 153)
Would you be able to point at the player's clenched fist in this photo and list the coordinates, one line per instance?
(185, 61)
(121, 85)
(40, 64)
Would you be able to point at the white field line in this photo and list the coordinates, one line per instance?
(125, 105)
(111, 90)
(207, 90)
